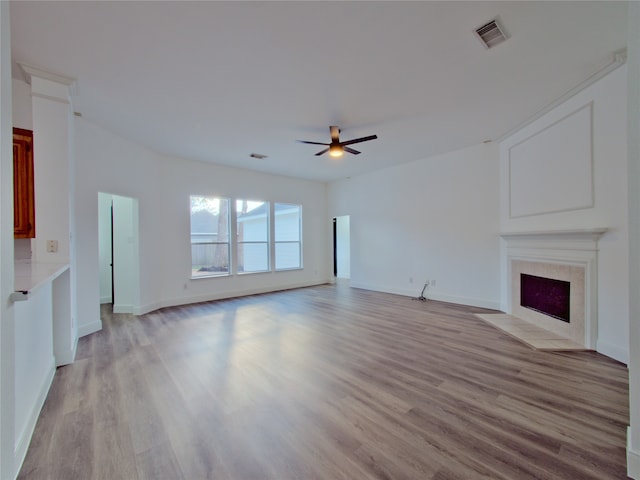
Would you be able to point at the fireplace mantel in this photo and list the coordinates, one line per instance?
(573, 233)
(576, 239)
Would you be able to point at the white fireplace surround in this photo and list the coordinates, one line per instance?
(557, 251)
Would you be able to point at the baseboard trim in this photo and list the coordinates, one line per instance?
(472, 302)
(67, 357)
(117, 308)
(150, 307)
(104, 300)
(613, 351)
(24, 439)
(633, 458)
(89, 328)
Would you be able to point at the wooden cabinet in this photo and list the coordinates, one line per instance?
(24, 212)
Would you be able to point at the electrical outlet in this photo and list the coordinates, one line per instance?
(410, 279)
(52, 246)
(433, 283)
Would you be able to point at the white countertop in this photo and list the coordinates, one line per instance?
(30, 275)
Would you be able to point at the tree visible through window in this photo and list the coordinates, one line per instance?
(210, 251)
(288, 236)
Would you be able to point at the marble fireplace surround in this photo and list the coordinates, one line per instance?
(569, 255)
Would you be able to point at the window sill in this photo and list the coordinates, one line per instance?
(210, 275)
(226, 275)
(253, 273)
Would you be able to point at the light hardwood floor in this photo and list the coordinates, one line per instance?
(327, 382)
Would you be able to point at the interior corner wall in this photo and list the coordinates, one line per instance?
(434, 219)
(106, 162)
(606, 136)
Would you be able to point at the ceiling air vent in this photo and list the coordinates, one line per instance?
(491, 34)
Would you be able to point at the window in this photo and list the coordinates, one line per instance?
(209, 236)
(252, 234)
(288, 237)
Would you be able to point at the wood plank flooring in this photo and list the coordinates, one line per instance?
(327, 382)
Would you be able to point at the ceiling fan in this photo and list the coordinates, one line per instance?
(337, 148)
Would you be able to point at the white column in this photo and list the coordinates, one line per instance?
(52, 123)
(54, 183)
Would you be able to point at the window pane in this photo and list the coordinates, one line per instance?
(288, 238)
(252, 221)
(253, 257)
(209, 259)
(209, 236)
(287, 255)
(287, 222)
(252, 228)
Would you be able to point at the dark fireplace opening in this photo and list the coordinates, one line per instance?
(545, 295)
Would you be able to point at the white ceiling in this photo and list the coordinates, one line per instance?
(216, 81)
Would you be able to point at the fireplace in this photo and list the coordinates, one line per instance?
(546, 295)
(571, 274)
(567, 263)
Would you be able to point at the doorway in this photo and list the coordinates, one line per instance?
(342, 247)
(118, 252)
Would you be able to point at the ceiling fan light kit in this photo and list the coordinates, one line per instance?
(336, 151)
(337, 148)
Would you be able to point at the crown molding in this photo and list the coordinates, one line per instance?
(30, 71)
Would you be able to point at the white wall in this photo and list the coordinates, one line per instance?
(22, 112)
(7, 338)
(52, 186)
(609, 152)
(125, 254)
(343, 247)
(433, 219)
(162, 185)
(633, 451)
(104, 246)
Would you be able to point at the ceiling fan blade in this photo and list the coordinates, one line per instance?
(351, 150)
(313, 143)
(358, 140)
(322, 152)
(335, 133)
